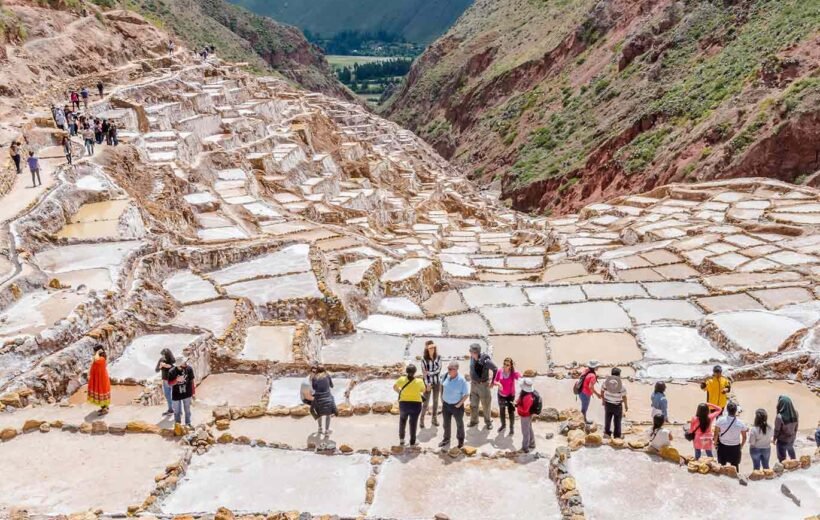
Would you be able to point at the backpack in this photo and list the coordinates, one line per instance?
(579, 385)
(537, 403)
(613, 385)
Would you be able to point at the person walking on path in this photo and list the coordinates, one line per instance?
(74, 97)
(615, 403)
(14, 153)
(113, 139)
(84, 94)
(88, 139)
(717, 387)
(99, 384)
(100, 88)
(730, 436)
(323, 403)
(785, 428)
(71, 119)
(760, 440)
(505, 381)
(171, 48)
(34, 167)
(66, 142)
(524, 405)
(183, 389)
(164, 365)
(659, 436)
(431, 369)
(482, 375)
(454, 393)
(584, 388)
(411, 390)
(59, 118)
(660, 406)
(700, 429)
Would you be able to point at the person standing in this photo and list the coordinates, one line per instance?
(700, 429)
(785, 428)
(760, 440)
(505, 381)
(66, 142)
(524, 406)
(411, 390)
(59, 118)
(74, 97)
(659, 404)
(730, 436)
(660, 436)
(14, 153)
(34, 167)
(584, 388)
(615, 403)
(164, 365)
(84, 94)
(88, 138)
(431, 369)
(171, 48)
(112, 135)
(717, 388)
(183, 389)
(99, 384)
(100, 88)
(323, 403)
(482, 375)
(454, 393)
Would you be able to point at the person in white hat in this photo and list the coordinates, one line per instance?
(527, 405)
(585, 388)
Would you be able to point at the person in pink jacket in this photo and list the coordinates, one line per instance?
(701, 427)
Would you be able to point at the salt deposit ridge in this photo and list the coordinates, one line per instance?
(254, 228)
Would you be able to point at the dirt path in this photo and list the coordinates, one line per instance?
(67, 32)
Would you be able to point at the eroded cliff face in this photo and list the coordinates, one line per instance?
(567, 103)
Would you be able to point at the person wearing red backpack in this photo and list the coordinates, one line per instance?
(527, 405)
(584, 388)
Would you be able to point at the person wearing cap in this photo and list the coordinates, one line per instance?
(717, 388)
(183, 389)
(523, 406)
(588, 380)
(482, 375)
(454, 393)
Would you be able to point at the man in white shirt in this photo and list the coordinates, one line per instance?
(615, 403)
(730, 436)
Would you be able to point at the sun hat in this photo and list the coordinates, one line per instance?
(592, 364)
(526, 384)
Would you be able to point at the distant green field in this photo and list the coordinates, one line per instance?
(337, 62)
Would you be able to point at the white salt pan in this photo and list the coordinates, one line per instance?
(186, 287)
(678, 345)
(396, 325)
(293, 259)
(139, 359)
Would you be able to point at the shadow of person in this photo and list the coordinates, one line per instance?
(427, 434)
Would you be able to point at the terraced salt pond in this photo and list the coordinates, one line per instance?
(187, 287)
(269, 343)
(139, 358)
(73, 472)
(632, 485)
(246, 479)
(365, 348)
(98, 220)
(36, 311)
(215, 316)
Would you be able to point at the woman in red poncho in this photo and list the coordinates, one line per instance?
(99, 385)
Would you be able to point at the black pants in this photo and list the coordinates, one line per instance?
(506, 404)
(613, 412)
(16, 159)
(451, 411)
(409, 410)
(35, 177)
(728, 455)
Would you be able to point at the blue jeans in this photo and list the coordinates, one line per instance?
(698, 451)
(178, 406)
(166, 390)
(784, 448)
(760, 457)
(584, 403)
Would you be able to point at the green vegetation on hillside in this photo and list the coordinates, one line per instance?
(369, 76)
(417, 21)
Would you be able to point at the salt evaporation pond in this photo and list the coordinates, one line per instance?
(265, 290)
(395, 325)
(285, 391)
(293, 259)
(467, 324)
(186, 287)
(215, 316)
(400, 305)
(85, 256)
(365, 348)
(36, 311)
(678, 345)
(269, 343)
(757, 331)
(232, 389)
(588, 316)
(246, 479)
(139, 359)
(372, 391)
(500, 489)
(625, 484)
(406, 269)
(515, 320)
(61, 473)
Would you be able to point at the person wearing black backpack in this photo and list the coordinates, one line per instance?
(584, 388)
(528, 404)
(411, 390)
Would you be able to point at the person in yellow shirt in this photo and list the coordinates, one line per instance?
(411, 391)
(717, 388)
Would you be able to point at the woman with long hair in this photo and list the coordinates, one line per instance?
(323, 403)
(431, 369)
(411, 390)
(99, 384)
(785, 428)
(700, 428)
(658, 402)
(760, 440)
(505, 381)
(659, 436)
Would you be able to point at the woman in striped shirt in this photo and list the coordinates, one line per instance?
(431, 368)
